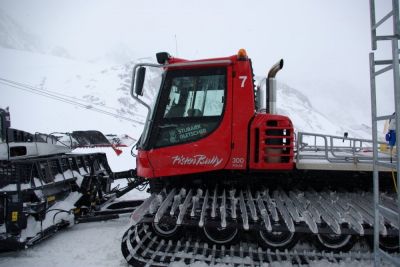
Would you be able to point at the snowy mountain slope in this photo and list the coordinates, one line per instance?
(69, 78)
(108, 88)
(307, 118)
(115, 85)
(14, 36)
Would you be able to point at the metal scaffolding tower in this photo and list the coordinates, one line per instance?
(378, 67)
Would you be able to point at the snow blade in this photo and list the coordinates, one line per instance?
(90, 138)
(94, 139)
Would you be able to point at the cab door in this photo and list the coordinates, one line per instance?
(191, 130)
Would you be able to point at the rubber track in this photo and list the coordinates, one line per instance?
(296, 211)
(141, 247)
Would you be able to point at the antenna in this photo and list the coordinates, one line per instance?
(176, 46)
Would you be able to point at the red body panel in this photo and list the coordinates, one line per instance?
(243, 109)
(227, 147)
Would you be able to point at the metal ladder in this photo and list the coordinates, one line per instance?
(384, 66)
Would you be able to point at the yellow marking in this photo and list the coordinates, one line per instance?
(394, 181)
(383, 148)
(51, 198)
(14, 216)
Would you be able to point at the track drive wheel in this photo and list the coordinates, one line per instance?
(167, 227)
(388, 243)
(277, 240)
(218, 235)
(334, 243)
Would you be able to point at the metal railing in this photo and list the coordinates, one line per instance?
(337, 149)
(384, 66)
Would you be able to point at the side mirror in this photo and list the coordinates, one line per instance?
(5, 123)
(141, 73)
(162, 57)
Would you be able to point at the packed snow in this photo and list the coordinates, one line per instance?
(91, 244)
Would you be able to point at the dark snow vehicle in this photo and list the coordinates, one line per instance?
(228, 178)
(44, 187)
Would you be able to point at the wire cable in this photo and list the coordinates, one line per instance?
(60, 94)
(61, 98)
(54, 97)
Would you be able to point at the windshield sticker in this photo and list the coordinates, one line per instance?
(190, 131)
(197, 160)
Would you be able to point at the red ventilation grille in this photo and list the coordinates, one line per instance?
(271, 143)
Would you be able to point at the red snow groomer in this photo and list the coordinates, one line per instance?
(205, 121)
(229, 182)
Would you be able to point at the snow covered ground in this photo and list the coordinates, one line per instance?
(99, 245)
(90, 244)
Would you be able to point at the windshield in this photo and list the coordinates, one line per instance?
(195, 96)
(190, 106)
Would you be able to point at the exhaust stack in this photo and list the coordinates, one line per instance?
(271, 87)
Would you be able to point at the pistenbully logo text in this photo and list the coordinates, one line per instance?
(197, 160)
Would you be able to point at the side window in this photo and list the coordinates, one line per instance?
(214, 103)
(192, 107)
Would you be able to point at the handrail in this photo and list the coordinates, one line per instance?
(326, 147)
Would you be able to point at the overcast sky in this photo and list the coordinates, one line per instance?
(325, 44)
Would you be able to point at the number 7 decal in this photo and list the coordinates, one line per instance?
(243, 78)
